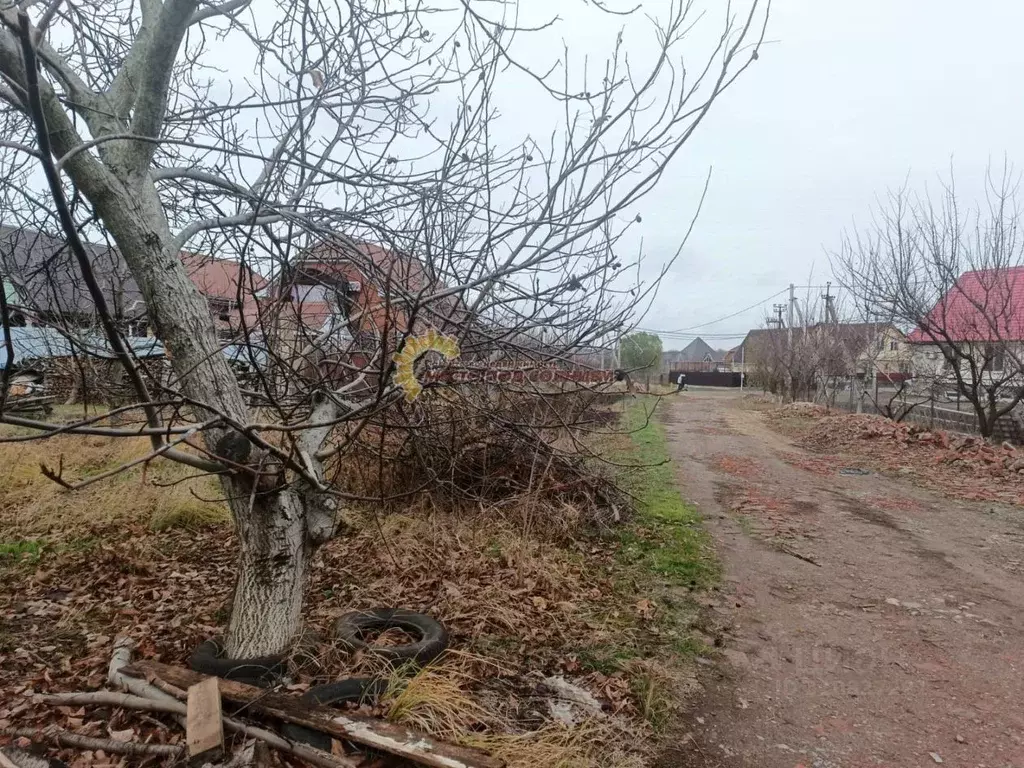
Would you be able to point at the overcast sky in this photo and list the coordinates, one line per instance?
(852, 98)
(848, 99)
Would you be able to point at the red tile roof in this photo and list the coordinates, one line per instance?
(983, 306)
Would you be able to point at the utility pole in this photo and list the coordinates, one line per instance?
(777, 320)
(830, 311)
(789, 341)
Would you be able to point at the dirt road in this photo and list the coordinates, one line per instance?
(868, 622)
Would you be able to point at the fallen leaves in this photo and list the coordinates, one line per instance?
(645, 609)
(737, 466)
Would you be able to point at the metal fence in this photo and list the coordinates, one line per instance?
(935, 416)
(704, 378)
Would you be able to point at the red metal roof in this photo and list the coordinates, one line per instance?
(983, 306)
(219, 278)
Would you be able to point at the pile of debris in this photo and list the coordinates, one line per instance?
(197, 702)
(961, 464)
(28, 405)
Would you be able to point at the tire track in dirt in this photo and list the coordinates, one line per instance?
(901, 642)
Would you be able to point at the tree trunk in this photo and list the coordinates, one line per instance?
(274, 552)
(274, 545)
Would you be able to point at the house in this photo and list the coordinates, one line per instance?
(365, 289)
(877, 349)
(45, 275)
(981, 319)
(743, 358)
(834, 350)
(230, 288)
(45, 280)
(698, 355)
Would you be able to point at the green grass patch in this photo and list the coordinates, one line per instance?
(606, 658)
(668, 534)
(663, 556)
(27, 550)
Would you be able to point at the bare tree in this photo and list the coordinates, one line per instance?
(360, 165)
(953, 273)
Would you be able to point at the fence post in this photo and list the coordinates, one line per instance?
(931, 409)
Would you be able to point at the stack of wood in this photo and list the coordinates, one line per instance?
(198, 703)
(29, 405)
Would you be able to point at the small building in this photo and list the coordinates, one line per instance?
(75, 368)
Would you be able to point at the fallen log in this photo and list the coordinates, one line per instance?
(112, 699)
(377, 734)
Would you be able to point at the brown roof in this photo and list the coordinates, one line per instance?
(387, 278)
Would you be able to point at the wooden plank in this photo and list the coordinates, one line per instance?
(386, 737)
(204, 727)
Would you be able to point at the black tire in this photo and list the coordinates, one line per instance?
(209, 659)
(352, 691)
(351, 627)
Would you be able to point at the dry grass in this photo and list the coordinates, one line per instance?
(31, 504)
(590, 744)
(438, 700)
(526, 586)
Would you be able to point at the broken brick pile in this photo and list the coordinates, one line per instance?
(966, 466)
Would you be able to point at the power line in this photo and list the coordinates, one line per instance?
(705, 336)
(755, 305)
(730, 317)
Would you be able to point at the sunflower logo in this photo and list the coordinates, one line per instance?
(405, 361)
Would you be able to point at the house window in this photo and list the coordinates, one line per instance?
(893, 346)
(994, 357)
(312, 293)
(221, 307)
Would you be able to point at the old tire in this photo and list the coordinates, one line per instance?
(354, 691)
(433, 638)
(209, 659)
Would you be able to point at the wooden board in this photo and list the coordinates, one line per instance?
(204, 726)
(378, 734)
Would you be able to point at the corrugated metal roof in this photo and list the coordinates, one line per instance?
(11, 293)
(35, 343)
